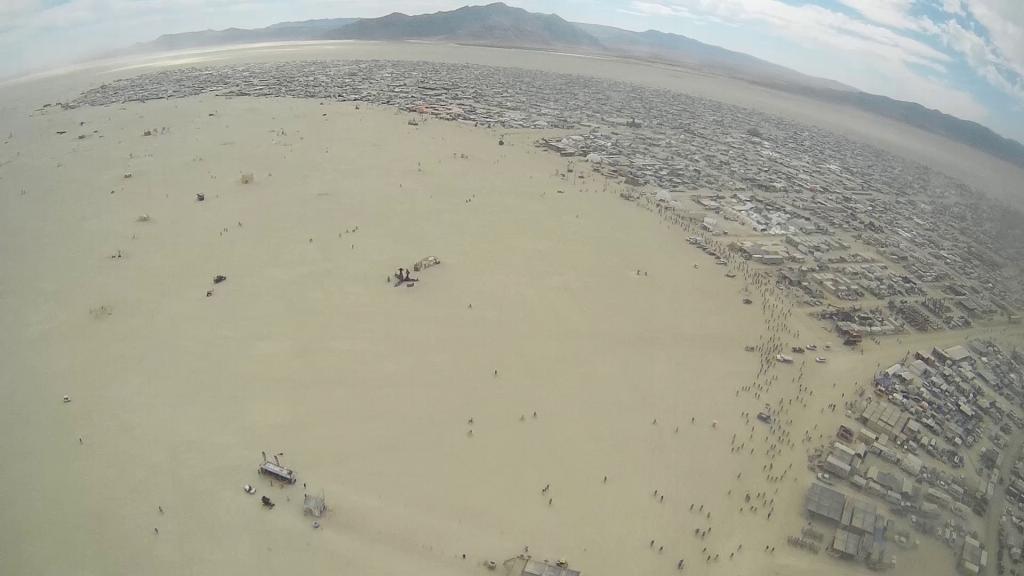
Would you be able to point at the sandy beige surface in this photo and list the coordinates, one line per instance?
(305, 349)
(366, 388)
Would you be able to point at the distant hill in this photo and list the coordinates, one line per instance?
(677, 49)
(934, 121)
(493, 24)
(500, 25)
(280, 32)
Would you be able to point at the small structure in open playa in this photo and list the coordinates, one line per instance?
(315, 505)
(425, 263)
(525, 566)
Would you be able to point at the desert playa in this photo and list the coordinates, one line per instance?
(570, 382)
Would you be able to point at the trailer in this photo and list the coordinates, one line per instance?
(276, 470)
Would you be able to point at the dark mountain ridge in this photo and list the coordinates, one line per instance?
(496, 23)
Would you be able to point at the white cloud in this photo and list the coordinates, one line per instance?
(954, 7)
(1004, 22)
(655, 9)
(984, 59)
(816, 26)
(891, 13)
(1000, 81)
(12, 9)
(973, 47)
(873, 57)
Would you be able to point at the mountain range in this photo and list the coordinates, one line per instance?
(280, 32)
(503, 26)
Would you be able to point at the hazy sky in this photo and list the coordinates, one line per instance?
(964, 57)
